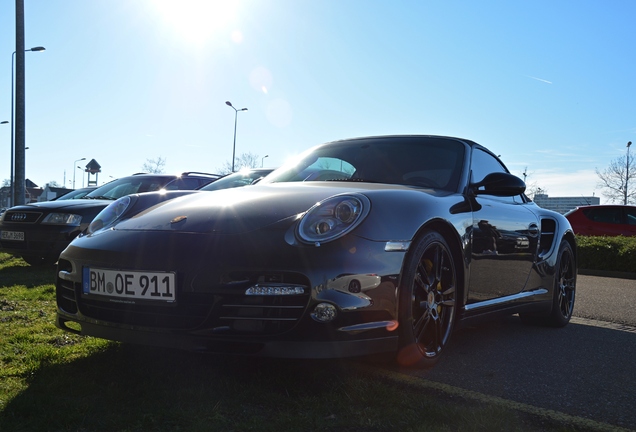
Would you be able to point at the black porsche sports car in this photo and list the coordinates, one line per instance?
(362, 246)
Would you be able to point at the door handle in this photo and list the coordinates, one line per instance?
(533, 230)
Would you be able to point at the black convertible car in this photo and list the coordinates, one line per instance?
(362, 246)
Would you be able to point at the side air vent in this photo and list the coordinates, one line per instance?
(546, 241)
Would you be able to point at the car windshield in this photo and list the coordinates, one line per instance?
(237, 179)
(74, 194)
(419, 161)
(126, 186)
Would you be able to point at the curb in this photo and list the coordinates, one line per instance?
(606, 273)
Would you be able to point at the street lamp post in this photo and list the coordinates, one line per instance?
(38, 48)
(626, 174)
(228, 103)
(263, 159)
(74, 169)
(5, 122)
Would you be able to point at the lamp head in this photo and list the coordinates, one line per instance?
(228, 103)
(38, 48)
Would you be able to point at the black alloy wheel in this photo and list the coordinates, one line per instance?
(427, 302)
(564, 287)
(564, 290)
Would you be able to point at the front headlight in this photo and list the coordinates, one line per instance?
(110, 214)
(333, 218)
(62, 219)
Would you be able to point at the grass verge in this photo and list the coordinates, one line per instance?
(55, 381)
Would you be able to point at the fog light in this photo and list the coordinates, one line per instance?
(324, 312)
(275, 290)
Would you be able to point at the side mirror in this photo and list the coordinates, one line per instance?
(499, 184)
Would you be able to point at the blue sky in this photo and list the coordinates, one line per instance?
(548, 85)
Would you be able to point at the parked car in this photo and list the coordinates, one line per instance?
(38, 232)
(244, 177)
(436, 229)
(75, 194)
(603, 220)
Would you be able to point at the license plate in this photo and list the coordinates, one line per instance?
(127, 286)
(12, 235)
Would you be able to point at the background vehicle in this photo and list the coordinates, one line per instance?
(244, 177)
(603, 220)
(75, 194)
(361, 246)
(38, 232)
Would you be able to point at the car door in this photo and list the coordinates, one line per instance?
(630, 221)
(505, 234)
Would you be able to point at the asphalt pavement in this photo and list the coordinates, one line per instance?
(585, 369)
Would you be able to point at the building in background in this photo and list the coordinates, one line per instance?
(564, 204)
(31, 194)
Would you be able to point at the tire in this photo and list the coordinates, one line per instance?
(427, 302)
(564, 290)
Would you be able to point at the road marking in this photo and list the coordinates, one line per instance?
(557, 416)
(603, 324)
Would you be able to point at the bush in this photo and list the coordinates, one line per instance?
(607, 253)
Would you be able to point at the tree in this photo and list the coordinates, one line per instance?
(53, 183)
(532, 188)
(6, 182)
(617, 179)
(245, 160)
(154, 166)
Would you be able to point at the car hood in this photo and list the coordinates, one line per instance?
(62, 205)
(241, 210)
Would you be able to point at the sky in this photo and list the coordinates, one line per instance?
(547, 85)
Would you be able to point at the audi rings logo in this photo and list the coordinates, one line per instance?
(18, 217)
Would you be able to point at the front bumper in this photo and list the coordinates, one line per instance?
(39, 241)
(214, 314)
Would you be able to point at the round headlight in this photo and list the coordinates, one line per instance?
(110, 214)
(333, 218)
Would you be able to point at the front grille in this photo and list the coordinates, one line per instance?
(260, 314)
(225, 310)
(65, 295)
(19, 217)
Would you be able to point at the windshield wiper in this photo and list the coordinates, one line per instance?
(358, 179)
(100, 197)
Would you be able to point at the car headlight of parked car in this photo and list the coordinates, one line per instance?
(62, 219)
(110, 214)
(333, 218)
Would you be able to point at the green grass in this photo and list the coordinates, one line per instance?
(55, 381)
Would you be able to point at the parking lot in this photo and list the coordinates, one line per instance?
(584, 370)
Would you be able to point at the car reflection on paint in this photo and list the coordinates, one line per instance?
(354, 283)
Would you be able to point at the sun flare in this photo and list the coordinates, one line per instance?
(197, 21)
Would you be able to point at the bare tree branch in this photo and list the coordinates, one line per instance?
(245, 160)
(154, 166)
(617, 186)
